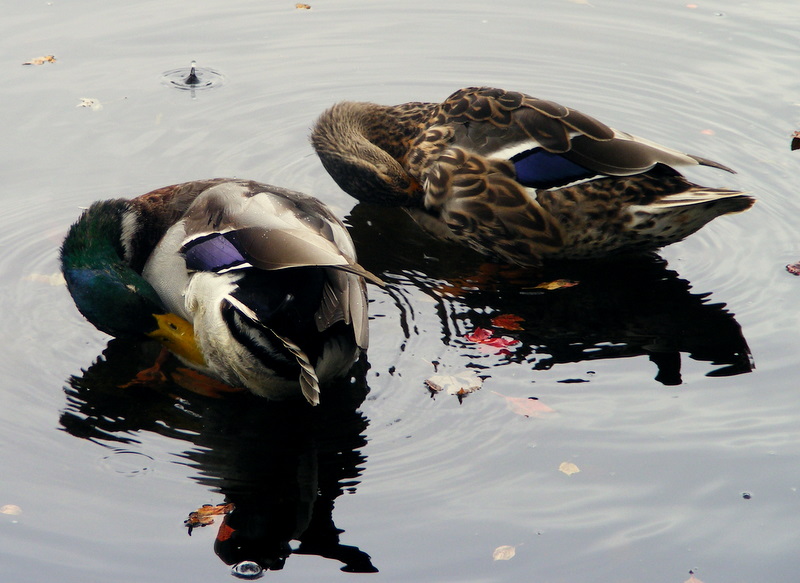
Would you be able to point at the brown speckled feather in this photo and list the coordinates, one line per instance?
(456, 166)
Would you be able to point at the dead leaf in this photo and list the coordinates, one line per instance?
(461, 383)
(793, 268)
(11, 509)
(526, 406)
(508, 322)
(504, 553)
(796, 140)
(484, 336)
(568, 468)
(204, 515)
(556, 284)
(41, 60)
(303, 6)
(89, 102)
(53, 279)
(692, 578)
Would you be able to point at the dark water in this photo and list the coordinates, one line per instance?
(672, 379)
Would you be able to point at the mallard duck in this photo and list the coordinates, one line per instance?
(253, 284)
(516, 177)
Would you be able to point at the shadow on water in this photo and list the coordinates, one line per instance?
(280, 465)
(628, 307)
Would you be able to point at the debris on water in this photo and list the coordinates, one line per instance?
(41, 60)
(796, 141)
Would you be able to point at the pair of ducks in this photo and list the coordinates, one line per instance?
(259, 286)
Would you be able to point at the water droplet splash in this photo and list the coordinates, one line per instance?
(247, 570)
(193, 78)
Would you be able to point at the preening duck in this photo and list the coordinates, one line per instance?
(253, 284)
(516, 177)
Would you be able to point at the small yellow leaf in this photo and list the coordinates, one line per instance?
(568, 468)
(556, 284)
(53, 279)
(504, 553)
(41, 60)
(303, 6)
(11, 509)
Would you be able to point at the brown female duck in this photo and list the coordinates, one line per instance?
(516, 177)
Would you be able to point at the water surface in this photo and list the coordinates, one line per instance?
(671, 377)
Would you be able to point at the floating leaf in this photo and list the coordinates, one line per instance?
(556, 284)
(692, 578)
(508, 322)
(793, 268)
(568, 468)
(526, 406)
(796, 140)
(484, 336)
(303, 6)
(204, 515)
(461, 383)
(504, 553)
(41, 60)
(53, 279)
(707, 132)
(10, 509)
(89, 102)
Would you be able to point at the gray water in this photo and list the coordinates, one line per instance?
(672, 381)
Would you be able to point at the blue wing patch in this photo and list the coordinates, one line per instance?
(539, 168)
(214, 252)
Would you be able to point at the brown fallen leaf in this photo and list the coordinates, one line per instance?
(508, 322)
(556, 284)
(504, 553)
(526, 406)
(568, 468)
(303, 6)
(460, 384)
(41, 60)
(793, 268)
(692, 578)
(796, 141)
(204, 515)
(11, 509)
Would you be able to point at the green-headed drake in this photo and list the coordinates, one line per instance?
(253, 284)
(516, 177)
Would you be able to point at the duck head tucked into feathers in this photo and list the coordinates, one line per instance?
(251, 283)
(516, 177)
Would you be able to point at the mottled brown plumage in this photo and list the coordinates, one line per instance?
(516, 177)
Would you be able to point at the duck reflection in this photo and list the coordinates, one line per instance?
(632, 306)
(279, 465)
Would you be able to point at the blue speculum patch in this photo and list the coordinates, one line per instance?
(539, 168)
(213, 253)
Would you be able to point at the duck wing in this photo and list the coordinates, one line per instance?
(550, 145)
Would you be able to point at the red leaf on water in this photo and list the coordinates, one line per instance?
(526, 406)
(484, 336)
(508, 322)
(793, 268)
